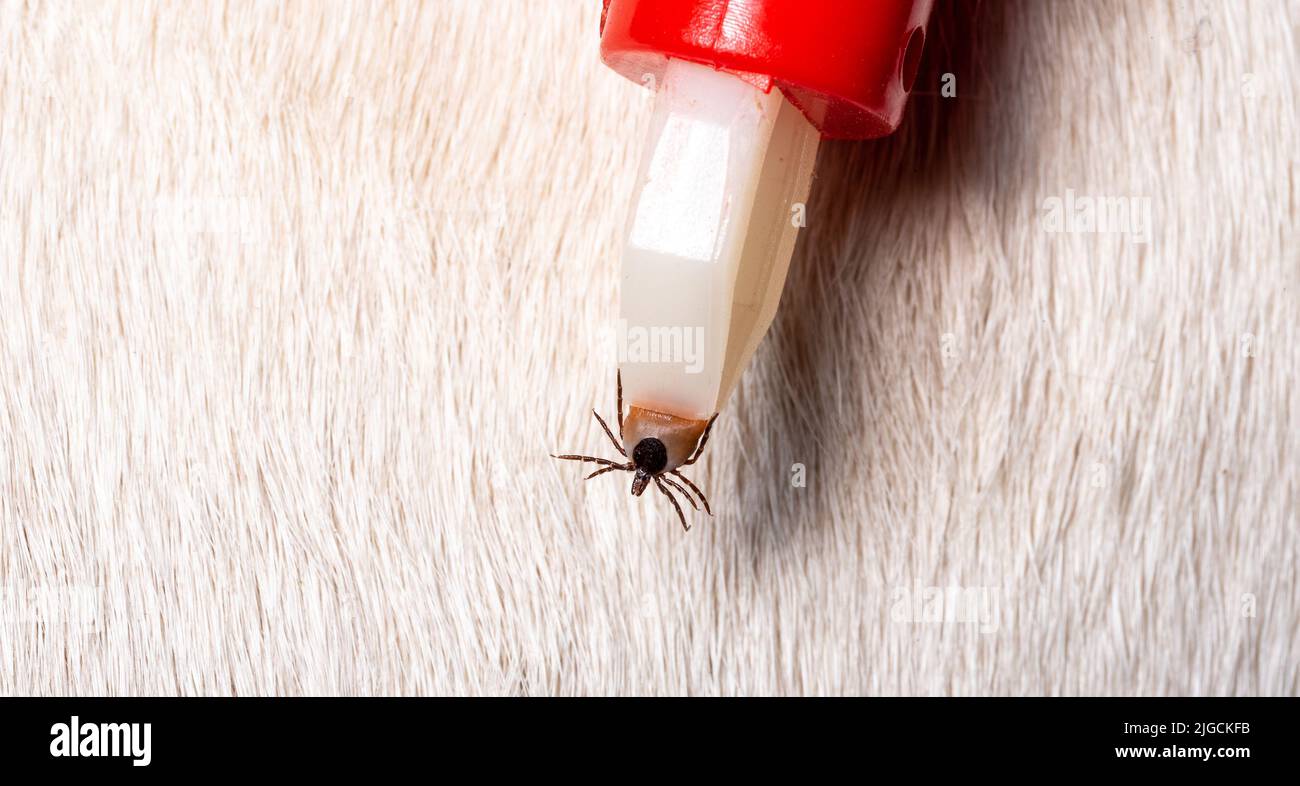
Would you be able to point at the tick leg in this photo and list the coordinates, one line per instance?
(694, 488)
(659, 485)
(679, 490)
(703, 439)
(620, 405)
(592, 459)
(603, 425)
(623, 467)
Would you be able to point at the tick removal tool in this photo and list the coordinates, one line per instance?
(744, 92)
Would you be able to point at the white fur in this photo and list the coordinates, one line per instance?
(294, 303)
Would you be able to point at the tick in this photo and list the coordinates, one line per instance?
(658, 445)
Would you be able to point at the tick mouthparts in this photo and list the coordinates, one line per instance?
(639, 482)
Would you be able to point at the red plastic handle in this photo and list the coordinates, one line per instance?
(847, 64)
